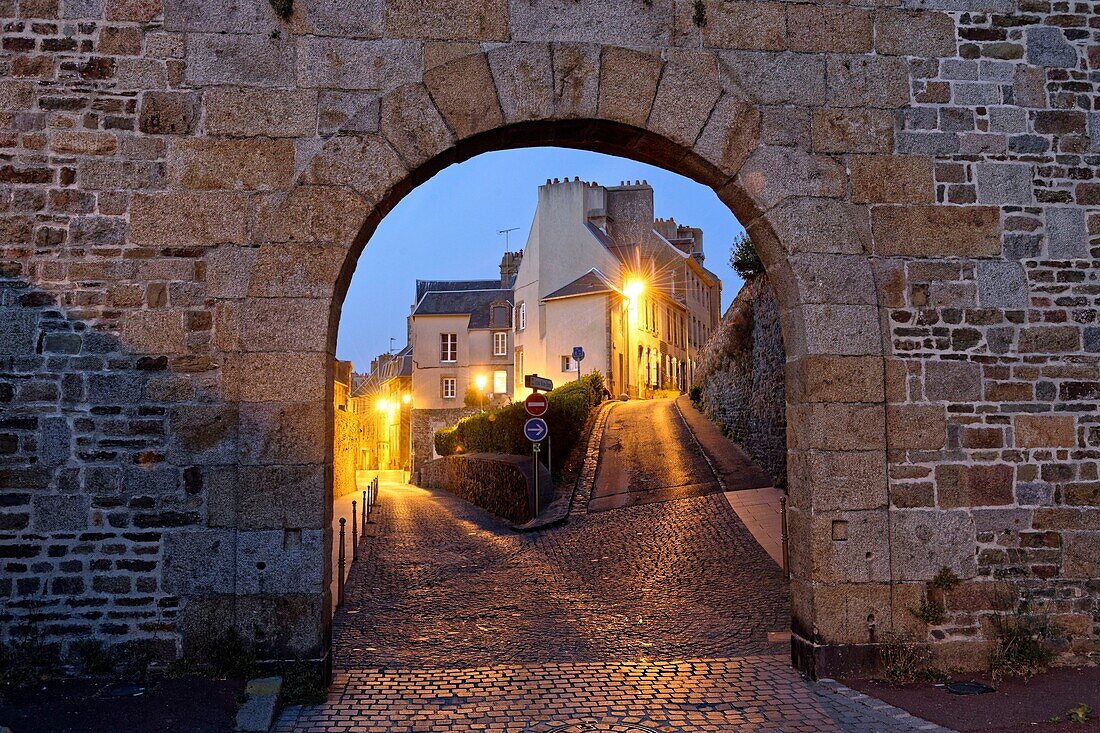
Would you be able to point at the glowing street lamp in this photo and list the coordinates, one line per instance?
(632, 290)
(481, 381)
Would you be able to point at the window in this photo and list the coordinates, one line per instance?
(522, 316)
(448, 388)
(519, 364)
(567, 364)
(500, 382)
(448, 347)
(500, 343)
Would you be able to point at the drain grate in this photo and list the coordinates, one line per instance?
(602, 728)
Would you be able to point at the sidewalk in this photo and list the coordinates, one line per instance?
(341, 508)
(747, 489)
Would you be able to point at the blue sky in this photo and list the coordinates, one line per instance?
(447, 229)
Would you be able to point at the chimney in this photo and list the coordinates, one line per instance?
(509, 268)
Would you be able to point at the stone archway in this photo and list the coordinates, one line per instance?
(188, 186)
(524, 97)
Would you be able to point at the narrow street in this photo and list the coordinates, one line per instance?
(653, 614)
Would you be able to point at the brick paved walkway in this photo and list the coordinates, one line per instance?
(653, 615)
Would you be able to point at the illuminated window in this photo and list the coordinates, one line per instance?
(448, 347)
(500, 381)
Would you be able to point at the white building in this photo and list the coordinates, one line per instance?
(600, 273)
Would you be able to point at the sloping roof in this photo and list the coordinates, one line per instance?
(458, 302)
(424, 286)
(592, 282)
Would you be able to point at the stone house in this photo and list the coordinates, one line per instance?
(384, 399)
(460, 338)
(599, 272)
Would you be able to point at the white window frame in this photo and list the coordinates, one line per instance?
(523, 315)
(500, 381)
(568, 363)
(444, 383)
(448, 346)
(500, 343)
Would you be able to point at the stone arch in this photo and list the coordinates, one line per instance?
(813, 243)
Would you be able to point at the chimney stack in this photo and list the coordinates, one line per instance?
(509, 268)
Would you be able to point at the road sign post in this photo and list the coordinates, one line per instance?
(537, 383)
(578, 356)
(535, 429)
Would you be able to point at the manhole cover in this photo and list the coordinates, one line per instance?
(601, 728)
(968, 688)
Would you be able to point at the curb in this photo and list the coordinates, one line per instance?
(582, 490)
(257, 712)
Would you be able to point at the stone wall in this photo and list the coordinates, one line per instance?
(741, 373)
(185, 187)
(499, 484)
(350, 436)
(425, 423)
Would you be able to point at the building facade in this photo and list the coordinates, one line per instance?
(599, 272)
(460, 349)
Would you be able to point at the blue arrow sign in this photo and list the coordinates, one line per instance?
(535, 429)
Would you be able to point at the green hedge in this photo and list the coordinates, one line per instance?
(501, 430)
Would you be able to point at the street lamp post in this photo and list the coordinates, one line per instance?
(632, 289)
(481, 381)
(407, 399)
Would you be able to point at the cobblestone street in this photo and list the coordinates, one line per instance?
(645, 613)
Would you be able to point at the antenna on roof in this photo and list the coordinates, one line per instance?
(392, 339)
(505, 233)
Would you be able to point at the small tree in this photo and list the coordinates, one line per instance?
(744, 259)
(473, 396)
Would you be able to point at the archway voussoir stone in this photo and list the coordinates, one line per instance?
(686, 94)
(628, 84)
(524, 77)
(465, 93)
(730, 135)
(413, 125)
(576, 80)
(773, 174)
(805, 224)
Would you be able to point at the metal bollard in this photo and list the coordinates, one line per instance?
(354, 533)
(783, 528)
(364, 510)
(370, 501)
(340, 566)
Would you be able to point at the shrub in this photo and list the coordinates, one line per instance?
(695, 394)
(744, 259)
(904, 661)
(1025, 646)
(500, 430)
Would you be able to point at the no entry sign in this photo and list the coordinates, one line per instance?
(536, 404)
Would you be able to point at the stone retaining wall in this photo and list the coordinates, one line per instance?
(741, 372)
(500, 484)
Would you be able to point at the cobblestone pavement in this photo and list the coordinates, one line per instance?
(653, 616)
(443, 584)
